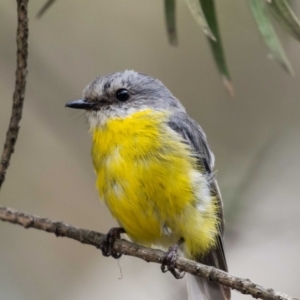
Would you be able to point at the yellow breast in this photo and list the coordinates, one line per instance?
(145, 176)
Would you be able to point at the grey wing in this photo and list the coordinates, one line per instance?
(193, 134)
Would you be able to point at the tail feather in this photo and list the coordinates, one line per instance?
(202, 289)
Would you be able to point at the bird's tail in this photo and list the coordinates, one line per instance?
(202, 289)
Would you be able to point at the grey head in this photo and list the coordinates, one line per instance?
(122, 93)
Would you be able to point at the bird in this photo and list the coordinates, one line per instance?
(154, 171)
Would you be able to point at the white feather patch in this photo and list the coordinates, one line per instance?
(201, 190)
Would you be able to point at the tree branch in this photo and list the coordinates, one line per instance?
(19, 93)
(96, 239)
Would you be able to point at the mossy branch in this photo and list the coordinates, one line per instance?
(19, 93)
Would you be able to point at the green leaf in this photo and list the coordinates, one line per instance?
(285, 16)
(197, 12)
(209, 11)
(265, 27)
(170, 15)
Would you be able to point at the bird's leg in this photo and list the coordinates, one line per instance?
(168, 263)
(109, 240)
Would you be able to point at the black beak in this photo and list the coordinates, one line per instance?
(80, 104)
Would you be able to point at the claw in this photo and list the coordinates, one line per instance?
(169, 260)
(109, 240)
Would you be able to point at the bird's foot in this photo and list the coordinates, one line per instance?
(168, 263)
(109, 240)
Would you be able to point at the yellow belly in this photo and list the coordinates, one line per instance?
(144, 176)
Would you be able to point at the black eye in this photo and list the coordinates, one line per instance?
(122, 95)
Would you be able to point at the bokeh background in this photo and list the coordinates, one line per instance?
(255, 137)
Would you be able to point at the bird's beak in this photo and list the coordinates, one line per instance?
(80, 104)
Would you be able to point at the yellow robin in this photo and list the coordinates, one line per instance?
(154, 172)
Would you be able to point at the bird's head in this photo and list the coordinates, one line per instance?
(123, 93)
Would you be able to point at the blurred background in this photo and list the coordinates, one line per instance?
(255, 138)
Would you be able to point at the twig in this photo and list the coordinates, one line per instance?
(18, 97)
(94, 238)
(44, 8)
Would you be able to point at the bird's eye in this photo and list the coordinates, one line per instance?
(122, 95)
